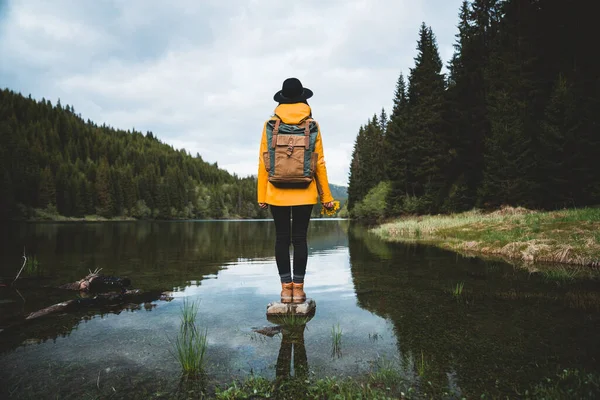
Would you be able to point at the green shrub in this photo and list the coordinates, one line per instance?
(373, 206)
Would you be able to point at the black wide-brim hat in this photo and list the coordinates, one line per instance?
(292, 91)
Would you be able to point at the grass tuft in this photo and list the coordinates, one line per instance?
(191, 342)
(422, 365)
(32, 267)
(336, 341)
(458, 289)
(189, 312)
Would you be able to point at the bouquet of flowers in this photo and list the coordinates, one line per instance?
(331, 211)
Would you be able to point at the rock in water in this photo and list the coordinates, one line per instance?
(278, 308)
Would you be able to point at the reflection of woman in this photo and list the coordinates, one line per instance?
(292, 109)
(292, 343)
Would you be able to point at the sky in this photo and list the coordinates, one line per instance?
(201, 74)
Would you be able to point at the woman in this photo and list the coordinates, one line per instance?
(298, 201)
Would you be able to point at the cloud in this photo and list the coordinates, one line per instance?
(201, 75)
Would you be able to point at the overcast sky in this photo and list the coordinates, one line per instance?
(201, 74)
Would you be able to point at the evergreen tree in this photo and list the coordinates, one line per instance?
(383, 121)
(464, 84)
(396, 150)
(426, 127)
(85, 189)
(367, 168)
(116, 190)
(163, 206)
(105, 203)
(509, 173)
(355, 179)
(47, 190)
(7, 200)
(557, 157)
(372, 150)
(129, 190)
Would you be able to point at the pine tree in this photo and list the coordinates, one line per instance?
(426, 127)
(467, 113)
(509, 173)
(383, 121)
(355, 179)
(7, 198)
(372, 150)
(86, 191)
(367, 168)
(556, 152)
(78, 196)
(105, 203)
(129, 190)
(162, 202)
(47, 189)
(396, 150)
(64, 203)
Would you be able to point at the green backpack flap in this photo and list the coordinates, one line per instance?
(291, 160)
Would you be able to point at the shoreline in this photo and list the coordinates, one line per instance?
(40, 218)
(570, 236)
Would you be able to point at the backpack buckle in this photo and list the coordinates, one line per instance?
(290, 148)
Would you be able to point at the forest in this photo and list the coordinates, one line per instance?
(53, 160)
(514, 120)
(53, 163)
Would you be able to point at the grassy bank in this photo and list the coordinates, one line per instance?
(566, 236)
(389, 384)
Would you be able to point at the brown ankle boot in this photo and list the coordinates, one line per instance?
(286, 292)
(298, 293)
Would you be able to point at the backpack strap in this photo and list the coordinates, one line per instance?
(275, 133)
(307, 134)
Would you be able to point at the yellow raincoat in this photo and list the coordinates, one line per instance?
(267, 193)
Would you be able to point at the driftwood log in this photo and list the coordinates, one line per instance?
(102, 300)
(97, 290)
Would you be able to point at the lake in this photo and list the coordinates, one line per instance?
(393, 303)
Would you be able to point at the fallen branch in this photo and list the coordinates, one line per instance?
(21, 270)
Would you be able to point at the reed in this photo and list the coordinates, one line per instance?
(189, 312)
(336, 341)
(191, 342)
(32, 267)
(422, 365)
(458, 289)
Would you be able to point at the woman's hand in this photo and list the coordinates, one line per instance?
(262, 205)
(329, 205)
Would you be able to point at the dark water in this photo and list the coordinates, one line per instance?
(393, 303)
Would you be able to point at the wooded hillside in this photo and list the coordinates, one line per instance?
(51, 159)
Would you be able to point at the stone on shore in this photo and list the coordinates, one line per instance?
(302, 309)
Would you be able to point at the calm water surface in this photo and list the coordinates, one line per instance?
(393, 303)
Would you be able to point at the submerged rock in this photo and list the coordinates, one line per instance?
(277, 308)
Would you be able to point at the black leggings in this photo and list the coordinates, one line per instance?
(295, 234)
